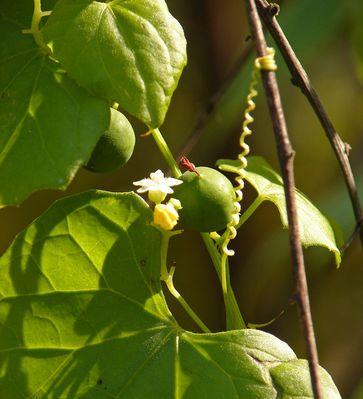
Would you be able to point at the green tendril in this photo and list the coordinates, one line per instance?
(266, 63)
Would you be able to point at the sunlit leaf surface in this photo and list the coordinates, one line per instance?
(82, 315)
(48, 124)
(131, 52)
(315, 228)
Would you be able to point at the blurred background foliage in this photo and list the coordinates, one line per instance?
(328, 38)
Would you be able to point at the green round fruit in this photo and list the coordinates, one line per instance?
(207, 200)
(115, 146)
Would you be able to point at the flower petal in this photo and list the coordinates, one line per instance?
(162, 188)
(170, 181)
(157, 176)
(143, 182)
(168, 190)
(142, 190)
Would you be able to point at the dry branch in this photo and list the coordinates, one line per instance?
(300, 78)
(286, 158)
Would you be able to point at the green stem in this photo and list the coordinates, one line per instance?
(224, 275)
(167, 277)
(169, 283)
(38, 14)
(249, 211)
(165, 237)
(234, 318)
(164, 149)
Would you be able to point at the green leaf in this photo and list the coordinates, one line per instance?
(315, 228)
(131, 52)
(82, 315)
(307, 35)
(290, 380)
(49, 125)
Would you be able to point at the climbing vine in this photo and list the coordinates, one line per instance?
(82, 306)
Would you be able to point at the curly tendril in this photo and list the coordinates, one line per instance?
(266, 63)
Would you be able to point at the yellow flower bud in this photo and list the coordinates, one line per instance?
(176, 203)
(165, 216)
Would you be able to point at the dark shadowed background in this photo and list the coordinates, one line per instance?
(328, 38)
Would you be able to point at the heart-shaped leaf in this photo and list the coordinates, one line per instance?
(49, 125)
(315, 228)
(131, 52)
(82, 315)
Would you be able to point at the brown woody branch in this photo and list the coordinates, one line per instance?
(300, 78)
(286, 158)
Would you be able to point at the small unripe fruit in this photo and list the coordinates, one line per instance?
(207, 200)
(115, 146)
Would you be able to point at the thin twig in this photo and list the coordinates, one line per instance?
(301, 79)
(286, 157)
(198, 129)
(350, 239)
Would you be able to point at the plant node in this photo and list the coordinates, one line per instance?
(34, 30)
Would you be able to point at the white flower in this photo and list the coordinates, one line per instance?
(157, 186)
